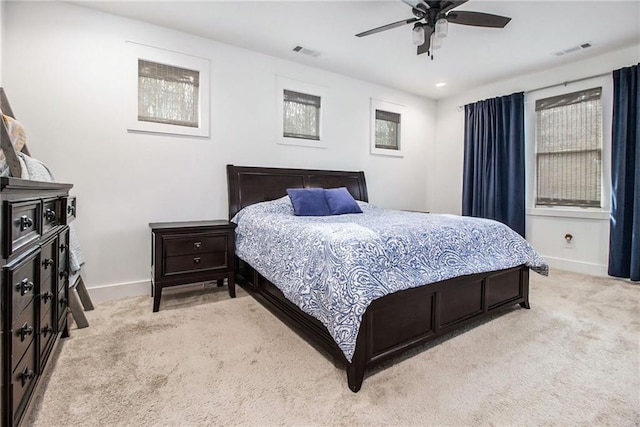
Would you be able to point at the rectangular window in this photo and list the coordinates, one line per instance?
(168, 94)
(569, 149)
(387, 130)
(301, 115)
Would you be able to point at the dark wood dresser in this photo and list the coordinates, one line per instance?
(35, 263)
(191, 252)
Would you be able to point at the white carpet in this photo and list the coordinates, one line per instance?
(205, 359)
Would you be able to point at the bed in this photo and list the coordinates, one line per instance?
(390, 324)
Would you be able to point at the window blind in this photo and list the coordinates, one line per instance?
(387, 130)
(301, 115)
(569, 149)
(168, 94)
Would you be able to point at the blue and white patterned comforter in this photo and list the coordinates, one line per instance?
(333, 267)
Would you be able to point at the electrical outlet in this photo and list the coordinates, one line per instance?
(569, 241)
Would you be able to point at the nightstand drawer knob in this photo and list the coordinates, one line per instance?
(196, 260)
(197, 245)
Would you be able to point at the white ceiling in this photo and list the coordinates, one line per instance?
(470, 56)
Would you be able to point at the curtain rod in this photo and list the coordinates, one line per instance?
(566, 83)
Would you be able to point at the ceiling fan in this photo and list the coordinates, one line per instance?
(430, 24)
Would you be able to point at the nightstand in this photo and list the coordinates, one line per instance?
(191, 252)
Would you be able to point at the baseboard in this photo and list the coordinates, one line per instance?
(120, 290)
(577, 266)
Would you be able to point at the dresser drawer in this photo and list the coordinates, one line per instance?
(24, 329)
(47, 333)
(50, 214)
(22, 277)
(70, 209)
(63, 260)
(24, 225)
(48, 255)
(190, 263)
(198, 243)
(63, 303)
(23, 379)
(46, 295)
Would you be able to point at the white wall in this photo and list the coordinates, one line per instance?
(64, 68)
(589, 251)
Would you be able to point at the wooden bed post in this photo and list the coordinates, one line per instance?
(357, 367)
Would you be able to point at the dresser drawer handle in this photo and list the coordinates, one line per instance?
(196, 260)
(63, 302)
(47, 262)
(25, 286)
(26, 375)
(63, 247)
(64, 274)
(47, 296)
(197, 245)
(25, 222)
(25, 331)
(50, 215)
(47, 330)
(70, 209)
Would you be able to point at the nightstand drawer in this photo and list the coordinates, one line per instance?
(190, 263)
(198, 243)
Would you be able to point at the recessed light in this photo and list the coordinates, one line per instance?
(441, 84)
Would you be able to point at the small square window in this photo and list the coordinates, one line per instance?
(169, 92)
(300, 111)
(386, 128)
(301, 115)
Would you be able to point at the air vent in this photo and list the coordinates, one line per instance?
(306, 51)
(573, 49)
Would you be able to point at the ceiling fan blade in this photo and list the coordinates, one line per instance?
(478, 19)
(424, 47)
(387, 27)
(446, 6)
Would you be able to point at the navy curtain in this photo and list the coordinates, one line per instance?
(494, 173)
(624, 240)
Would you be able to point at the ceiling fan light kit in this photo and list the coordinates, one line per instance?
(431, 22)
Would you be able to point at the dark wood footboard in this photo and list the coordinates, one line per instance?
(402, 320)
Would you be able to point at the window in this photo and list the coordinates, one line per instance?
(169, 92)
(386, 132)
(301, 115)
(568, 138)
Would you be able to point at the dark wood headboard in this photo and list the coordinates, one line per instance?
(249, 184)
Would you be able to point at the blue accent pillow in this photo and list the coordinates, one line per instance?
(340, 201)
(308, 201)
